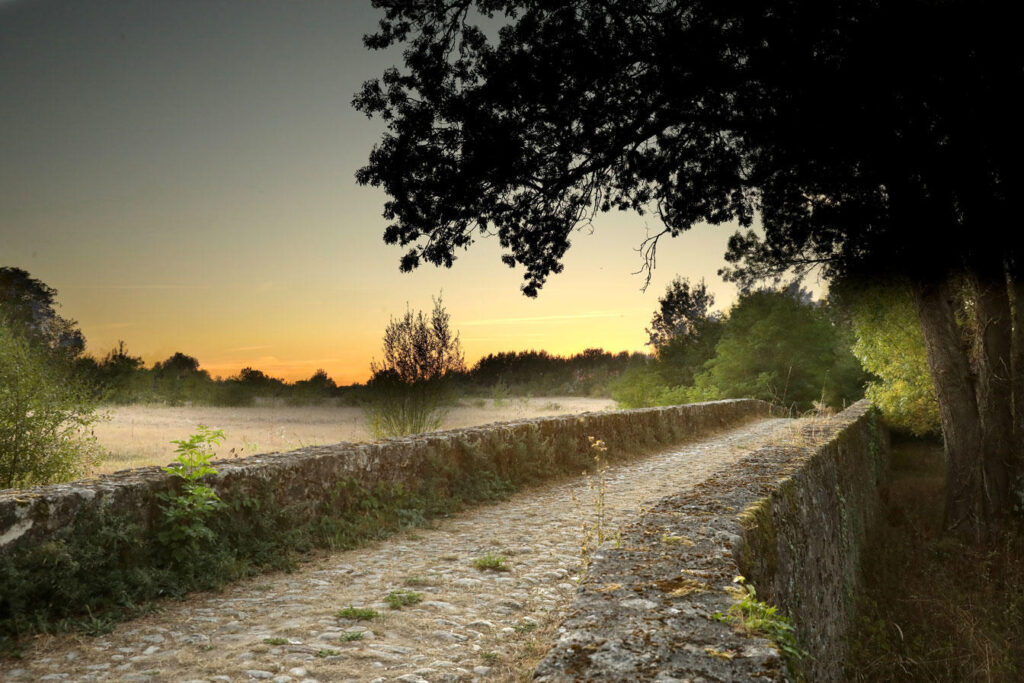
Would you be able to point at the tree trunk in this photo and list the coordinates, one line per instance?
(958, 408)
(995, 392)
(1016, 279)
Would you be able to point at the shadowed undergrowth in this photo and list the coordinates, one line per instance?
(933, 608)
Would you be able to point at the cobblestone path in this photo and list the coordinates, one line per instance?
(470, 624)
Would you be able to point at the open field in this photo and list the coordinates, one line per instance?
(135, 436)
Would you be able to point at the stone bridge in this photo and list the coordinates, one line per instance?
(616, 574)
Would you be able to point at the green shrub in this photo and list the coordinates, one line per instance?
(185, 530)
(45, 417)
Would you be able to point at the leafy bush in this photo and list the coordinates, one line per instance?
(45, 416)
(889, 345)
(643, 387)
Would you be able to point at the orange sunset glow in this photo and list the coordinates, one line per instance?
(184, 177)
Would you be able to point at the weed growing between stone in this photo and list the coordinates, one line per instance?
(756, 617)
(275, 641)
(594, 533)
(352, 636)
(357, 613)
(402, 598)
(491, 562)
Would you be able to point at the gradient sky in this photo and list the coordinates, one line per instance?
(183, 174)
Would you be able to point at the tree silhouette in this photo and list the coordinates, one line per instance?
(418, 348)
(681, 311)
(862, 133)
(29, 305)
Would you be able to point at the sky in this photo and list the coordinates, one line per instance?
(182, 173)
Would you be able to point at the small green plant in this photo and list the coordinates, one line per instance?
(489, 657)
(275, 641)
(402, 598)
(357, 613)
(185, 514)
(753, 616)
(491, 562)
(327, 652)
(352, 636)
(525, 627)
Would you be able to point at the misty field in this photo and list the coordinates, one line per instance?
(139, 435)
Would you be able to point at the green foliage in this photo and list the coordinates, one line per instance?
(779, 346)
(402, 598)
(491, 562)
(890, 346)
(357, 613)
(643, 387)
(45, 416)
(352, 636)
(757, 617)
(185, 530)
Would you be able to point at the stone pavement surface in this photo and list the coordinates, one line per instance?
(469, 624)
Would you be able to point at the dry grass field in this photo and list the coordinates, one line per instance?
(135, 436)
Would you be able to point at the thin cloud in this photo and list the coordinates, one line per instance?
(543, 318)
(246, 348)
(144, 287)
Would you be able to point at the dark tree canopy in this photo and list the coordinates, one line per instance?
(178, 366)
(835, 122)
(870, 137)
(29, 306)
(681, 311)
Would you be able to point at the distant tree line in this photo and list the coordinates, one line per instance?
(121, 378)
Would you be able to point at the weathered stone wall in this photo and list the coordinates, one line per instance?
(309, 481)
(791, 518)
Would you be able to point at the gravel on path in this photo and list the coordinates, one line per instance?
(468, 624)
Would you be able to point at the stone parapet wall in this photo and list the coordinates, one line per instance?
(443, 466)
(791, 518)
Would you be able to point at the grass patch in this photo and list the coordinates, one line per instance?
(419, 580)
(275, 641)
(352, 636)
(491, 562)
(402, 598)
(357, 613)
(327, 652)
(933, 608)
(525, 627)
